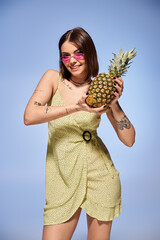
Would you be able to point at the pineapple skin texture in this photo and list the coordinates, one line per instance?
(101, 91)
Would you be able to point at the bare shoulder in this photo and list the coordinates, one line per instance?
(45, 88)
(53, 77)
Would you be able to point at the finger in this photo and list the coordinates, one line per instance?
(119, 78)
(119, 89)
(117, 95)
(119, 81)
(84, 97)
(98, 109)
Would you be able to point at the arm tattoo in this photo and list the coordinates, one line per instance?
(123, 123)
(67, 111)
(37, 103)
(47, 109)
(67, 85)
(37, 90)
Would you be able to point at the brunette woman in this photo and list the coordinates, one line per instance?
(79, 170)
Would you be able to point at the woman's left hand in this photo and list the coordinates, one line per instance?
(119, 87)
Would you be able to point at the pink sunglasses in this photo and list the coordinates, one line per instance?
(77, 56)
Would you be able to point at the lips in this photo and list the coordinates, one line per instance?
(74, 67)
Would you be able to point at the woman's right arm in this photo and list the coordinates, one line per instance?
(36, 111)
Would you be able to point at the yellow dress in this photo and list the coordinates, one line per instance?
(79, 170)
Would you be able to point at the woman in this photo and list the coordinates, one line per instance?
(79, 170)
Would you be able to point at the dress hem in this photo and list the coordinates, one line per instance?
(102, 213)
(109, 213)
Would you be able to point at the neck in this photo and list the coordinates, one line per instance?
(80, 79)
(80, 83)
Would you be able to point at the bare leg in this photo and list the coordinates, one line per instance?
(98, 230)
(63, 231)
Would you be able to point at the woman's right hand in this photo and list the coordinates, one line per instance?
(82, 106)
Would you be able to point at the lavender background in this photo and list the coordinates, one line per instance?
(30, 31)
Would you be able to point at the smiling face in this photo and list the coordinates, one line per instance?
(77, 67)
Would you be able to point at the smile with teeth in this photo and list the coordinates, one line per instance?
(74, 67)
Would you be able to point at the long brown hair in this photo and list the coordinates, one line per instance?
(85, 43)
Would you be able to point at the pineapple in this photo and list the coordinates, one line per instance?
(101, 90)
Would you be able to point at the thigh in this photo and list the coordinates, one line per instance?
(98, 230)
(62, 231)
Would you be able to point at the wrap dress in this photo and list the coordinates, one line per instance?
(79, 171)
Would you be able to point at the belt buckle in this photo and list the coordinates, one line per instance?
(87, 136)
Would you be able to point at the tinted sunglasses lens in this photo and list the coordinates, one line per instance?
(65, 58)
(79, 56)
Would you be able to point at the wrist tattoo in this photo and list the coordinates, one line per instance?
(67, 111)
(37, 103)
(123, 123)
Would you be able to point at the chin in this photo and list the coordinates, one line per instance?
(79, 74)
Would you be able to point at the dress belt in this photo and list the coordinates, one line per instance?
(87, 136)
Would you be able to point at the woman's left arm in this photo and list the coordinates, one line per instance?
(120, 122)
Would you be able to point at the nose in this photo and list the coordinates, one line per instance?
(72, 59)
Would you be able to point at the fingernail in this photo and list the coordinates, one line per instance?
(87, 93)
(114, 84)
(104, 106)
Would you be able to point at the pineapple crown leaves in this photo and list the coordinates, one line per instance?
(119, 64)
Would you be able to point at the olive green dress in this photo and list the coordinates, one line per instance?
(79, 170)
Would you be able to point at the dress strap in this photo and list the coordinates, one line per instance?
(60, 78)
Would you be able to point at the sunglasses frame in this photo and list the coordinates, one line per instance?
(73, 55)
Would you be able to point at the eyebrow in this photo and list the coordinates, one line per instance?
(73, 52)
